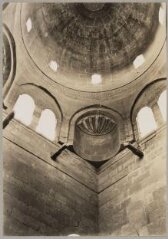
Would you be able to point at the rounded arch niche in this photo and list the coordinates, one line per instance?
(43, 100)
(96, 136)
(147, 98)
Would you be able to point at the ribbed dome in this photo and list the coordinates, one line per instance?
(69, 42)
(87, 37)
(96, 124)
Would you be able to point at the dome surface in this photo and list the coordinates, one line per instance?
(72, 41)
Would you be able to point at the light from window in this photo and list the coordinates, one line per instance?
(53, 65)
(96, 79)
(46, 34)
(162, 15)
(47, 124)
(139, 60)
(24, 109)
(29, 25)
(73, 235)
(162, 102)
(146, 122)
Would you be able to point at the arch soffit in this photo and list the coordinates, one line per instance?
(12, 49)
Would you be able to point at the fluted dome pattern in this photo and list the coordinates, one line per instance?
(96, 125)
(70, 42)
(93, 37)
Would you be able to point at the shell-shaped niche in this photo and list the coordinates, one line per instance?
(96, 137)
(96, 124)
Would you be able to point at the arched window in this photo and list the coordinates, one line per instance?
(139, 60)
(24, 109)
(146, 122)
(162, 102)
(47, 124)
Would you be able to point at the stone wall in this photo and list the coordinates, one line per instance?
(43, 197)
(125, 196)
(132, 191)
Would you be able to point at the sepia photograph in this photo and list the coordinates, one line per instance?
(84, 114)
